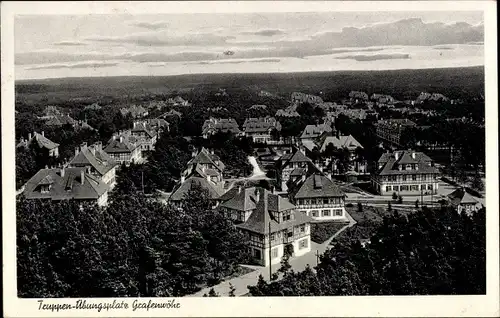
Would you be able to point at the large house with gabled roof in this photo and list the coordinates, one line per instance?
(319, 197)
(66, 184)
(124, 148)
(42, 142)
(270, 222)
(292, 166)
(259, 129)
(405, 172)
(97, 162)
(463, 202)
(213, 125)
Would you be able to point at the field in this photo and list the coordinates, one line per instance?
(402, 84)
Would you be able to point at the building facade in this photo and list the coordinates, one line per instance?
(392, 129)
(405, 172)
(42, 142)
(271, 224)
(259, 129)
(124, 148)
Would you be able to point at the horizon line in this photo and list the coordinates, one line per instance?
(246, 73)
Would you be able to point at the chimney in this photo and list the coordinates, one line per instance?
(193, 154)
(208, 178)
(329, 175)
(77, 150)
(212, 151)
(413, 154)
(303, 177)
(92, 149)
(121, 138)
(183, 179)
(62, 172)
(83, 146)
(272, 189)
(135, 124)
(43, 133)
(239, 189)
(257, 195)
(29, 136)
(98, 146)
(396, 155)
(82, 176)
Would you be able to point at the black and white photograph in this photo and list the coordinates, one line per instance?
(164, 157)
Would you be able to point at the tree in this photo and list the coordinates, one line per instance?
(477, 183)
(389, 206)
(400, 199)
(416, 203)
(394, 196)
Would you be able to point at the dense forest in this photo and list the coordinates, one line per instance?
(432, 252)
(135, 247)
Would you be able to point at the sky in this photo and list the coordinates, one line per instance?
(53, 46)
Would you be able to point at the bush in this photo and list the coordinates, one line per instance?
(349, 205)
(394, 196)
(321, 232)
(360, 207)
(400, 199)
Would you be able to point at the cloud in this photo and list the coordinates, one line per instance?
(237, 62)
(268, 32)
(37, 57)
(443, 48)
(151, 25)
(338, 51)
(376, 57)
(74, 66)
(165, 39)
(69, 43)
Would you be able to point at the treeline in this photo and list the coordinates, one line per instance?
(427, 253)
(136, 247)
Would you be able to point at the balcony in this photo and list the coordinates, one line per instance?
(320, 206)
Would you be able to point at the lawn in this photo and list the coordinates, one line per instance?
(321, 232)
(367, 220)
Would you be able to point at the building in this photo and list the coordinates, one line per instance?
(462, 201)
(215, 125)
(299, 98)
(259, 129)
(348, 142)
(94, 106)
(358, 97)
(97, 162)
(208, 161)
(60, 120)
(146, 136)
(66, 184)
(257, 107)
(134, 111)
(382, 99)
(124, 148)
(42, 142)
(405, 172)
(290, 111)
(292, 166)
(178, 101)
(82, 124)
(391, 129)
(312, 132)
(271, 224)
(319, 197)
(434, 97)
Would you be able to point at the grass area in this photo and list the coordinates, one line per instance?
(320, 232)
(367, 222)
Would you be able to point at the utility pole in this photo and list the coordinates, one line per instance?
(270, 254)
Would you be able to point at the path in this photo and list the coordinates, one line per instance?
(298, 264)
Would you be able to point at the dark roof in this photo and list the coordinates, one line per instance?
(316, 186)
(127, 144)
(241, 199)
(42, 141)
(390, 163)
(215, 191)
(461, 196)
(213, 125)
(206, 157)
(142, 127)
(313, 131)
(64, 187)
(261, 217)
(259, 125)
(298, 156)
(94, 157)
(60, 120)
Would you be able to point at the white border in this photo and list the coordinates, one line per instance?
(251, 306)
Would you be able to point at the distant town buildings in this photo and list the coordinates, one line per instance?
(358, 97)
(43, 142)
(60, 120)
(290, 111)
(392, 129)
(94, 106)
(134, 111)
(436, 97)
(178, 101)
(215, 125)
(299, 98)
(58, 184)
(312, 132)
(271, 224)
(259, 129)
(405, 172)
(382, 99)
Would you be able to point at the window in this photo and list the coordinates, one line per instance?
(414, 177)
(325, 201)
(274, 253)
(302, 228)
(388, 188)
(338, 212)
(325, 213)
(303, 244)
(429, 187)
(404, 177)
(307, 201)
(422, 187)
(290, 233)
(271, 237)
(396, 188)
(257, 253)
(404, 188)
(303, 212)
(414, 187)
(287, 216)
(314, 213)
(44, 188)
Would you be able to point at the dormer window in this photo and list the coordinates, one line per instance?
(287, 216)
(45, 188)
